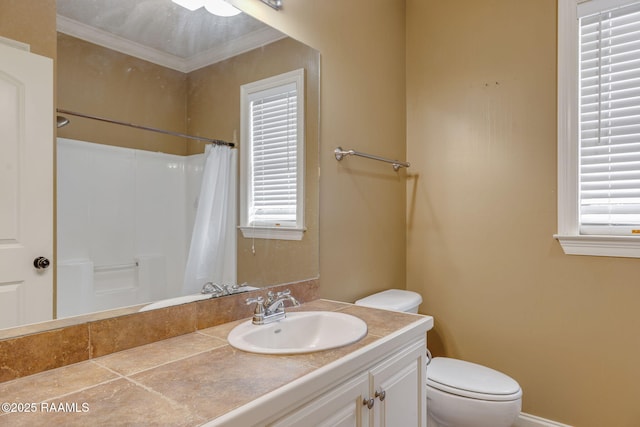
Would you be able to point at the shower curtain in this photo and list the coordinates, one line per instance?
(212, 254)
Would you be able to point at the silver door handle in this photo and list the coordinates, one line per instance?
(368, 402)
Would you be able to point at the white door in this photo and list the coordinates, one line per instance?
(26, 186)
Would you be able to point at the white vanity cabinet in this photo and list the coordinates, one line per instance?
(380, 384)
(343, 406)
(390, 393)
(399, 385)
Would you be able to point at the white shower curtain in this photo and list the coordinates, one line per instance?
(212, 254)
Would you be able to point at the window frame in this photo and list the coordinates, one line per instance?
(572, 242)
(267, 231)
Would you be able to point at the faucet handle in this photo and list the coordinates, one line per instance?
(259, 301)
(259, 311)
(212, 288)
(284, 293)
(271, 297)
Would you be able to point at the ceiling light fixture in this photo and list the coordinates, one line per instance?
(216, 7)
(220, 8)
(189, 4)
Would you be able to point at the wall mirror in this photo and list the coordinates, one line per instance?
(126, 197)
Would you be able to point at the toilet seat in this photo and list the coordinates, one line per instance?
(470, 380)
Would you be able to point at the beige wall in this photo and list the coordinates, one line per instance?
(481, 103)
(362, 202)
(32, 22)
(213, 109)
(101, 82)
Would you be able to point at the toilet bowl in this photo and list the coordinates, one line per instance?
(459, 393)
(465, 394)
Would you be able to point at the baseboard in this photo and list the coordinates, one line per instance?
(526, 420)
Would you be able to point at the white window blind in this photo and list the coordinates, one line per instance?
(272, 157)
(609, 164)
(274, 154)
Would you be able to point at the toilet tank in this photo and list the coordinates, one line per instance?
(393, 299)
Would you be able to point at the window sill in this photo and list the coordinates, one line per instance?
(272, 233)
(612, 246)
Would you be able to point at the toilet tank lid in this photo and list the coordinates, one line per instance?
(471, 380)
(392, 299)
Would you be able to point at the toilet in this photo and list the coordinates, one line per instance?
(459, 393)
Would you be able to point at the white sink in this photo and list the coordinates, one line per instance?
(301, 332)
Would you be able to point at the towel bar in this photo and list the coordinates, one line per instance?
(397, 164)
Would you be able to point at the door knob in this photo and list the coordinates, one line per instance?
(41, 263)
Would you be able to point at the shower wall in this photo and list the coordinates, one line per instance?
(124, 225)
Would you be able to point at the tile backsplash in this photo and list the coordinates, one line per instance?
(40, 351)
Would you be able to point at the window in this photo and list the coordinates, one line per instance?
(272, 154)
(599, 127)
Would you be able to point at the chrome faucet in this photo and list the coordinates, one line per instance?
(275, 302)
(219, 290)
(213, 288)
(272, 309)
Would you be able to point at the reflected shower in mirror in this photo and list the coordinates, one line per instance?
(127, 198)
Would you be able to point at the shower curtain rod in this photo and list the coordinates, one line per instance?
(166, 132)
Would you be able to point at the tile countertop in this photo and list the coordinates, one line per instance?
(182, 381)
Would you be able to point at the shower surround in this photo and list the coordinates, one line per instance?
(124, 225)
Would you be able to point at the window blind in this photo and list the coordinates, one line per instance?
(610, 121)
(274, 156)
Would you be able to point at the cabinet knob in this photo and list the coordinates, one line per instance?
(368, 402)
(381, 395)
(41, 263)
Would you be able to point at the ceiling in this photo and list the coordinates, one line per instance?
(162, 32)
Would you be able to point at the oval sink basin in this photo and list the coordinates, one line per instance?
(301, 332)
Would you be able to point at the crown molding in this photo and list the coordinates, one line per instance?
(250, 41)
(105, 39)
(111, 41)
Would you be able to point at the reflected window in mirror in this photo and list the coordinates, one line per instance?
(272, 154)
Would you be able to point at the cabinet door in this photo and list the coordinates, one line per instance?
(399, 385)
(340, 407)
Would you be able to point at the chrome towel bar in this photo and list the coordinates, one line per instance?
(397, 164)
